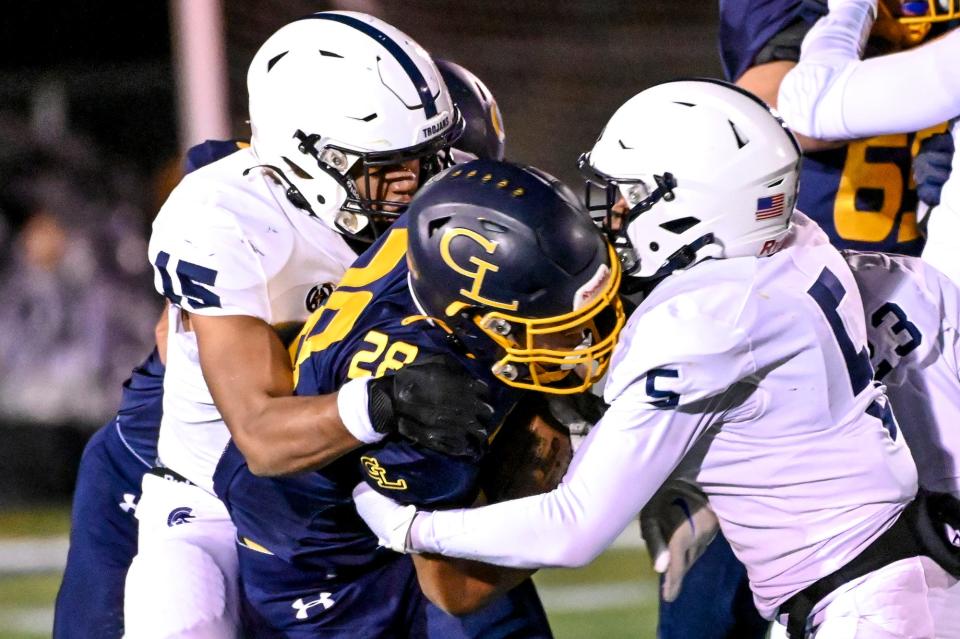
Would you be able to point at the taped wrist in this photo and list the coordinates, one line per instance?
(353, 406)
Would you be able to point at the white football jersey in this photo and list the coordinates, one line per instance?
(769, 364)
(750, 377)
(912, 313)
(229, 244)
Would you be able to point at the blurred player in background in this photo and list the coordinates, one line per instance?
(833, 95)
(940, 201)
(913, 318)
(248, 243)
(859, 192)
(733, 374)
(483, 135)
(529, 296)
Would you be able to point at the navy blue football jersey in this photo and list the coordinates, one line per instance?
(103, 532)
(368, 326)
(862, 194)
(747, 26)
(209, 151)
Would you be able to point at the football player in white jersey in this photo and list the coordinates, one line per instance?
(913, 318)
(744, 371)
(831, 94)
(348, 115)
(912, 314)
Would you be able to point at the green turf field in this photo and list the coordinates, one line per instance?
(613, 598)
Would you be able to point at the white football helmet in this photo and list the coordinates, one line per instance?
(336, 92)
(706, 170)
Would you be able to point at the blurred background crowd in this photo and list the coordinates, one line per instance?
(99, 100)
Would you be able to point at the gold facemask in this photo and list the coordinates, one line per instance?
(553, 348)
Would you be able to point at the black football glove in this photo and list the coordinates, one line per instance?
(436, 403)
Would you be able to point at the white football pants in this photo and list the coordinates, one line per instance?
(183, 581)
(912, 598)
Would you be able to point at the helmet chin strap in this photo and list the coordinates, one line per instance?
(348, 223)
(665, 185)
(681, 259)
(684, 256)
(308, 146)
(293, 193)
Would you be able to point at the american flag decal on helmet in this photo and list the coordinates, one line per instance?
(769, 207)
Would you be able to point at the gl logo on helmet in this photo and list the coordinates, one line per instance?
(483, 266)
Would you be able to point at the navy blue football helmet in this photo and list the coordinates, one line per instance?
(506, 259)
(483, 135)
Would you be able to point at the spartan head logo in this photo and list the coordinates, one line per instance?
(317, 296)
(179, 516)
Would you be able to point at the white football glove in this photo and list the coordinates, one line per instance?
(388, 520)
(677, 526)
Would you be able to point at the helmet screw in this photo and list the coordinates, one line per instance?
(654, 246)
(499, 326)
(507, 371)
(334, 158)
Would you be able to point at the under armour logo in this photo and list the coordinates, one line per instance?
(953, 535)
(178, 516)
(128, 504)
(302, 606)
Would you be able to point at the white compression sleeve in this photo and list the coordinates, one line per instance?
(352, 406)
(620, 465)
(833, 95)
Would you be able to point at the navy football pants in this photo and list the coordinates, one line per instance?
(715, 601)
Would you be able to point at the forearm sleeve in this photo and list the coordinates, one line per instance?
(833, 95)
(621, 464)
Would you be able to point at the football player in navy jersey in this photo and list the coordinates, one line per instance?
(859, 192)
(103, 536)
(537, 311)
(483, 133)
(103, 530)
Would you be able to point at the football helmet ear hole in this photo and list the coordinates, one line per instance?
(435, 225)
(680, 225)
